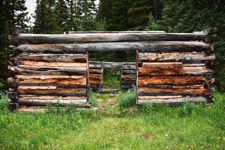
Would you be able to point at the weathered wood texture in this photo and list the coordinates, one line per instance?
(169, 77)
(145, 46)
(106, 37)
(169, 66)
(42, 77)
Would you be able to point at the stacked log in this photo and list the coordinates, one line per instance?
(170, 77)
(41, 76)
(128, 77)
(96, 75)
(55, 67)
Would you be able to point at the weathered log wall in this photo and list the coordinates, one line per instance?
(48, 77)
(169, 66)
(169, 77)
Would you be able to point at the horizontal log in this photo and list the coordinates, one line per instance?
(176, 56)
(44, 77)
(95, 82)
(128, 71)
(36, 97)
(51, 90)
(112, 65)
(52, 64)
(95, 71)
(162, 65)
(128, 77)
(46, 102)
(47, 68)
(144, 81)
(106, 32)
(46, 71)
(95, 77)
(159, 97)
(13, 95)
(51, 57)
(174, 71)
(177, 101)
(102, 37)
(155, 46)
(173, 90)
(56, 82)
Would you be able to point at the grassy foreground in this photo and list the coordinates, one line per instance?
(120, 127)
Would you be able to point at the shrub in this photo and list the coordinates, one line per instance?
(187, 107)
(127, 99)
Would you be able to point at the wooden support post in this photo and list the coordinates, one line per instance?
(88, 84)
(136, 76)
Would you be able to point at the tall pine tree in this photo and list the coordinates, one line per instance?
(4, 53)
(46, 18)
(17, 14)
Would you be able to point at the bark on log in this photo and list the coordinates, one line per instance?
(159, 97)
(144, 81)
(57, 82)
(173, 102)
(46, 71)
(36, 97)
(102, 37)
(51, 57)
(128, 77)
(95, 82)
(128, 72)
(46, 102)
(176, 56)
(51, 90)
(51, 64)
(173, 90)
(95, 77)
(155, 46)
(95, 71)
(162, 65)
(107, 32)
(174, 71)
(112, 65)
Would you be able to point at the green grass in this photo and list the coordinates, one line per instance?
(146, 127)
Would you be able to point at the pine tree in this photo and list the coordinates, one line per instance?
(73, 15)
(86, 9)
(46, 18)
(4, 53)
(191, 15)
(63, 13)
(17, 14)
(139, 14)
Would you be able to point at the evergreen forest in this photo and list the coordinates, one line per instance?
(61, 16)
